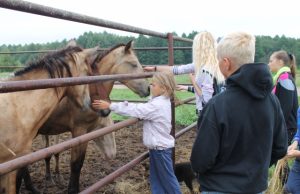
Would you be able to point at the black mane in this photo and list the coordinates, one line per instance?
(54, 63)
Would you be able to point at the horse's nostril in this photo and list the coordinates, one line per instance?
(149, 89)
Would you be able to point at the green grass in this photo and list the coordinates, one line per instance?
(298, 79)
(184, 114)
(5, 74)
(182, 79)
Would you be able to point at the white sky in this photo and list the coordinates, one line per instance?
(259, 17)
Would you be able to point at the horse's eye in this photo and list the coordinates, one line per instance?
(134, 65)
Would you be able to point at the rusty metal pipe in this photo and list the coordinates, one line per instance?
(13, 86)
(34, 8)
(100, 49)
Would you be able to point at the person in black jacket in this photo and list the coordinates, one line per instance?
(283, 64)
(241, 131)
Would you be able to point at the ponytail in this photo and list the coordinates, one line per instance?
(293, 65)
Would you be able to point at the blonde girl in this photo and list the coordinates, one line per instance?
(204, 67)
(156, 115)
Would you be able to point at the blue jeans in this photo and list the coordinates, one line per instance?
(213, 192)
(293, 182)
(162, 177)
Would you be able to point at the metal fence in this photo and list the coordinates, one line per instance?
(50, 83)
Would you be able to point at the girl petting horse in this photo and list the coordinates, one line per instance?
(156, 115)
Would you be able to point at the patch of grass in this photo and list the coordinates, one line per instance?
(182, 79)
(298, 79)
(184, 114)
(4, 75)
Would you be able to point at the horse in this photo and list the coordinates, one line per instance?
(26, 111)
(67, 118)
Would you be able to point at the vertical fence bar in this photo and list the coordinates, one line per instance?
(171, 63)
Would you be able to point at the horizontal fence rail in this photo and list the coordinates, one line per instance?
(103, 49)
(12, 67)
(112, 176)
(34, 8)
(13, 86)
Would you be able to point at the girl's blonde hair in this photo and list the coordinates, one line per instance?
(205, 55)
(167, 81)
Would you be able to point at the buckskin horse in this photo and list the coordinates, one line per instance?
(26, 111)
(120, 59)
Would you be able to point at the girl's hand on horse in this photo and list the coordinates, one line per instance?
(181, 87)
(100, 104)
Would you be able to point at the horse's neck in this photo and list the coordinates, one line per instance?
(32, 107)
(52, 95)
(107, 65)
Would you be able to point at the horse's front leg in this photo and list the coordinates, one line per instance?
(23, 173)
(48, 176)
(77, 159)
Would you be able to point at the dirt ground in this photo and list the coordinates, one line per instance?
(129, 146)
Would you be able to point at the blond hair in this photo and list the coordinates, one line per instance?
(205, 56)
(165, 80)
(239, 47)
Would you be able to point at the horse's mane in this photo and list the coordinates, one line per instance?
(54, 62)
(102, 54)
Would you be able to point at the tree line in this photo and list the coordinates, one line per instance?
(265, 46)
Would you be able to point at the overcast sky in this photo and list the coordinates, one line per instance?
(259, 17)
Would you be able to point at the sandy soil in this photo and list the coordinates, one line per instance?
(129, 146)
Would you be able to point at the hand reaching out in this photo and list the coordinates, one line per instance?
(181, 87)
(100, 104)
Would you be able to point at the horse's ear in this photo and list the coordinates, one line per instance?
(128, 46)
(72, 43)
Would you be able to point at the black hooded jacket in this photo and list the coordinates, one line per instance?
(241, 132)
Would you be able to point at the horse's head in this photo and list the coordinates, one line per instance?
(121, 59)
(106, 144)
(98, 90)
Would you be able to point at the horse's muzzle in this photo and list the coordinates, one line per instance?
(104, 113)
